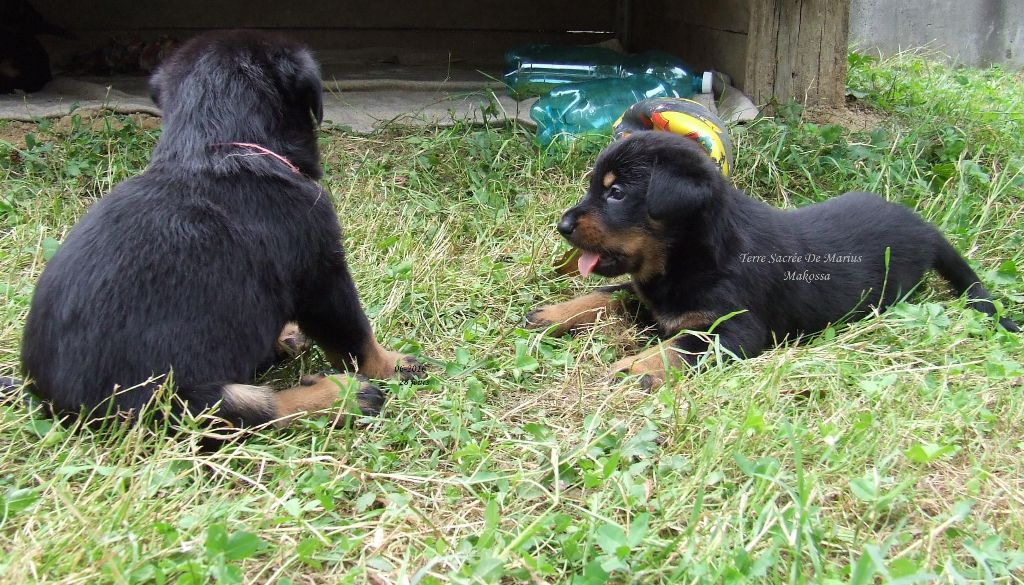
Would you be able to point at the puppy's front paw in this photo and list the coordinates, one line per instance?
(383, 363)
(409, 367)
(379, 363)
(650, 376)
(543, 318)
(562, 318)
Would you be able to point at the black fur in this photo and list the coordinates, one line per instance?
(24, 62)
(195, 266)
(718, 251)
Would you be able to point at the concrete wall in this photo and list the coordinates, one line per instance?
(973, 32)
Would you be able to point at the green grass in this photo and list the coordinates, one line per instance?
(886, 451)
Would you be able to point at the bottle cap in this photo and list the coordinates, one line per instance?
(706, 82)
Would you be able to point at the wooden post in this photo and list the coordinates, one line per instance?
(797, 50)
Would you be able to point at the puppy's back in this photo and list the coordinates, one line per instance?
(189, 273)
(864, 225)
(884, 246)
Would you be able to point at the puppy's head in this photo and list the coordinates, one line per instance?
(242, 86)
(643, 189)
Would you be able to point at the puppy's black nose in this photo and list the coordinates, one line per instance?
(567, 225)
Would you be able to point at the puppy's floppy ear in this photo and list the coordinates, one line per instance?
(672, 193)
(308, 87)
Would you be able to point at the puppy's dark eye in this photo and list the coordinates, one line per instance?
(615, 193)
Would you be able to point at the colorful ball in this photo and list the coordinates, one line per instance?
(680, 116)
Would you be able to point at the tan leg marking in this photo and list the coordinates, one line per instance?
(692, 320)
(291, 342)
(380, 363)
(322, 394)
(585, 310)
(651, 364)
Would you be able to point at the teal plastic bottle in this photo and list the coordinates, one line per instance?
(534, 70)
(590, 108)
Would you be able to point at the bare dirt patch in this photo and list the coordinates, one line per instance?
(14, 132)
(853, 115)
(97, 122)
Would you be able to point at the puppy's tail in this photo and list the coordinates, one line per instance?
(952, 266)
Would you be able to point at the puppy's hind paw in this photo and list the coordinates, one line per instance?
(648, 381)
(291, 342)
(650, 365)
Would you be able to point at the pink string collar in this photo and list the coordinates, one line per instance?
(257, 150)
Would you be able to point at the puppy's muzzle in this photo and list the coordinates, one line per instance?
(567, 225)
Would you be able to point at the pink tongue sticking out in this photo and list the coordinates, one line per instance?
(587, 262)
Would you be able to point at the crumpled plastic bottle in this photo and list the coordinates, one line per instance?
(534, 70)
(590, 108)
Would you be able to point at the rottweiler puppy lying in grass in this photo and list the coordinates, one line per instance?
(701, 254)
(191, 272)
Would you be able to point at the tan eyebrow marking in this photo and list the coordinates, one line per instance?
(609, 178)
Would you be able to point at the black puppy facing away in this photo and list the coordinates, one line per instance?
(195, 267)
(698, 249)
